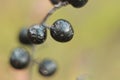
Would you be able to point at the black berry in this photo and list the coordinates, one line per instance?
(62, 31)
(77, 3)
(23, 38)
(37, 34)
(19, 58)
(47, 67)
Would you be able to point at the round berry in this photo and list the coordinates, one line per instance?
(37, 34)
(47, 67)
(23, 38)
(77, 3)
(62, 31)
(19, 58)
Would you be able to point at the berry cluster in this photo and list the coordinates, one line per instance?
(61, 31)
(20, 59)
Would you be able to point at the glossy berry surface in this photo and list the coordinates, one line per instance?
(62, 31)
(37, 34)
(23, 38)
(47, 67)
(19, 58)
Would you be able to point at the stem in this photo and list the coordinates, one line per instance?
(34, 61)
(59, 5)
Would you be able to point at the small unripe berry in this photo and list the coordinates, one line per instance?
(62, 31)
(19, 58)
(37, 34)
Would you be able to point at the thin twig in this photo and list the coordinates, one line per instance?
(59, 5)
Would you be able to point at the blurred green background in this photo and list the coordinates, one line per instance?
(93, 53)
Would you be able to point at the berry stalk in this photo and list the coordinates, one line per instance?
(56, 7)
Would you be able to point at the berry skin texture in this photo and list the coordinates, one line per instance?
(37, 34)
(47, 67)
(19, 58)
(62, 31)
(23, 38)
(77, 3)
